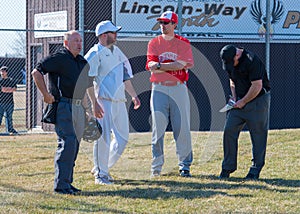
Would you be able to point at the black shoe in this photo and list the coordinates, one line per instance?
(75, 189)
(13, 132)
(185, 173)
(65, 191)
(224, 174)
(251, 176)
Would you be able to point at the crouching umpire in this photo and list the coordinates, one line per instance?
(250, 90)
(72, 71)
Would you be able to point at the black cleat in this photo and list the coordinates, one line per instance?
(75, 189)
(251, 176)
(65, 191)
(185, 173)
(224, 174)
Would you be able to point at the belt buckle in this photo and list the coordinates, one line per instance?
(172, 83)
(77, 102)
(167, 83)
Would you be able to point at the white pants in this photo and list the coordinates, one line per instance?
(107, 151)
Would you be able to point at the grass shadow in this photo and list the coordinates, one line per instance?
(190, 189)
(84, 206)
(274, 182)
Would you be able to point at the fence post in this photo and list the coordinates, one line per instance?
(113, 12)
(267, 38)
(81, 23)
(179, 16)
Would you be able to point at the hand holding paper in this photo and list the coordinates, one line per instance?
(228, 106)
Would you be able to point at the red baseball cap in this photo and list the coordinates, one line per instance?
(168, 16)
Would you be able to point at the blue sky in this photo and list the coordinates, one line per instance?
(13, 16)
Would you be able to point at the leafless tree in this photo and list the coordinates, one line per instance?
(19, 44)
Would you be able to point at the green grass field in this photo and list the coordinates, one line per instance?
(27, 171)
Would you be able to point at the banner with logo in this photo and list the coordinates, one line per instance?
(50, 24)
(219, 19)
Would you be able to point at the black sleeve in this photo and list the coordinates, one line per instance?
(256, 70)
(50, 64)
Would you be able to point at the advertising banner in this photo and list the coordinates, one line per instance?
(220, 19)
(50, 24)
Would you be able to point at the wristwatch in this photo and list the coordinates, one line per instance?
(158, 65)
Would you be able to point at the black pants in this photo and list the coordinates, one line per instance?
(69, 127)
(255, 115)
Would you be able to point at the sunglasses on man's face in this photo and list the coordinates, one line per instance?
(164, 23)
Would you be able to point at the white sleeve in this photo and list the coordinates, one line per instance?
(126, 63)
(93, 59)
(129, 69)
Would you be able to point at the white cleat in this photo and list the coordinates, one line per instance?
(103, 180)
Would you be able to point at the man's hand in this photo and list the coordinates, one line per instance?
(152, 65)
(8, 89)
(252, 93)
(49, 98)
(239, 104)
(136, 101)
(98, 110)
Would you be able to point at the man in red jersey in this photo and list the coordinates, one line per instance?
(169, 56)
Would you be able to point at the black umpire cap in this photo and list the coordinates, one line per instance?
(227, 54)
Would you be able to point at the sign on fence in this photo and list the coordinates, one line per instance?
(50, 24)
(219, 19)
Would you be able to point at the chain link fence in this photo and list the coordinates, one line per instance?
(14, 58)
(208, 24)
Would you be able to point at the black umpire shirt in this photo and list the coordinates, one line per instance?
(72, 72)
(250, 68)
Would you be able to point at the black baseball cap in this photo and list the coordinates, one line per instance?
(227, 54)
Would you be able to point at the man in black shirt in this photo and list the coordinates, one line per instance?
(7, 87)
(69, 70)
(250, 88)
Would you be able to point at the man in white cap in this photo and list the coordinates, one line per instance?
(169, 57)
(112, 72)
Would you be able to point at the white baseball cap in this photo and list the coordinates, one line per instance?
(106, 26)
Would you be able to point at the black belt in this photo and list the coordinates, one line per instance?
(76, 102)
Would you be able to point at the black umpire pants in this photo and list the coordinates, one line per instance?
(255, 115)
(70, 121)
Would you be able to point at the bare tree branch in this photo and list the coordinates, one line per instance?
(19, 44)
